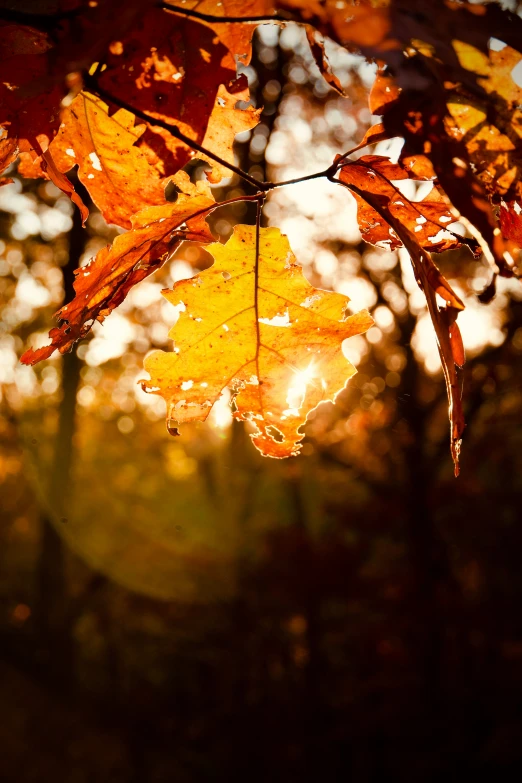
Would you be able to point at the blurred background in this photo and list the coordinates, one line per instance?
(181, 609)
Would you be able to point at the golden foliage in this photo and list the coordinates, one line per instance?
(253, 323)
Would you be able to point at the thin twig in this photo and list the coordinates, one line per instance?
(46, 22)
(331, 170)
(92, 84)
(95, 88)
(222, 19)
(342, 159)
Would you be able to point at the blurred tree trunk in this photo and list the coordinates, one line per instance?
(433, 580)
(53, 614)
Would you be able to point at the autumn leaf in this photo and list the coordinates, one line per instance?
(175, 80)
(29, 97)
(237, 38)
(490, 126)
(253, 323)
(318, 49)
(104, 283)
(225, 123)
(448, 95)
(116, 172)
(8, 152)
(428, 219)
(511, 221)
(378, 196)
(37, 68)
(187, 79)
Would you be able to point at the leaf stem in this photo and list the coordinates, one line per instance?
(259, 208)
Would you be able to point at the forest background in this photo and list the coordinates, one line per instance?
(183, 609)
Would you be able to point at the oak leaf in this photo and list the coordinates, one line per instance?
(187, 79)
(117, 173)
(318, 49)
(427, 219)
(253, 323)
(381, 199)
(170, 68)
(37, 69)
(490, 125)
(237, 38)
(105, 282)
(29, 96)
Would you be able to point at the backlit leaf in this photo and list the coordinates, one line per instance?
(105, 282)
(109, 161)
(427, 219)
(381, 199)
(253, 323)
(237, 38)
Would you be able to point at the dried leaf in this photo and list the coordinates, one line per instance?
(116, 172)
(224, 124)
(176, 79)
(491, 126)
(237, 38)
(253, 323)
(63, 183)
(317, 47)
(427, 219)
(105, 282)
(29, 97)
(431, 281)
(511, 221)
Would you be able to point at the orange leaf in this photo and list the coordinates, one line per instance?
(376, 194)
(105, 282)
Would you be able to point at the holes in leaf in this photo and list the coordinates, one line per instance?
(275, 434)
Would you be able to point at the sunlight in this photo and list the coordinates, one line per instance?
(220, 417)
(297, 389)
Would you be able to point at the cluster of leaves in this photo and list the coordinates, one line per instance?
(131, 108)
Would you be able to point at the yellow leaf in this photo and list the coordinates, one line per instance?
(490, 125)
(224, 124)
(253, 323)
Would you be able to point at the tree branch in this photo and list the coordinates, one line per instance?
(327, 173)
(92, 85)
(222, 19)
(45, 22)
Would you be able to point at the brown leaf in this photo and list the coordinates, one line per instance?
(237, 38)
(427, 219)
(8, 152)
(37, 69)
(63, 183)
(170, 68)
(186, 79)
(317, 47)
(29, 97)
(380, 199)
(511, 221)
